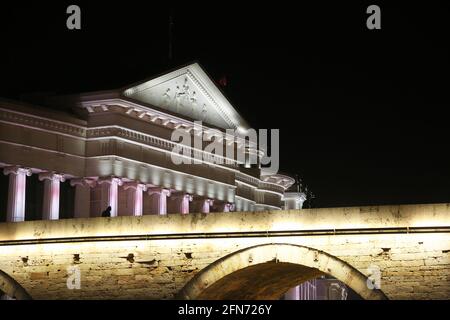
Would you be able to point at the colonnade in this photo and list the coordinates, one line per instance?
(93, 195)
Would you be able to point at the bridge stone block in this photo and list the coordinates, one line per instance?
(155, 257)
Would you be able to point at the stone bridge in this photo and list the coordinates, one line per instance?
(235, 255)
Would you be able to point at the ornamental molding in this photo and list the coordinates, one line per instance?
(135, 185)
(150, 115)
(16, 170)
(110, 180)
(49, 175)
(188, 74)
(159, 191)
(154, 141)
(85, 182)
(172, 88)
(32, 121)
(201, 85)
(181, 195)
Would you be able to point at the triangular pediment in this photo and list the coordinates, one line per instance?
(189, 92)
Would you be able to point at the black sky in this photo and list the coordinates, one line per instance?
(362, 113)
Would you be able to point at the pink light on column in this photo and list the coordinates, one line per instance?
(159, 199)
(206, 205)
(51, 195)
(137, 189)
(226, 207)
(110, 191)
(183, 200)
(180, 202)
(138, 205)
(16, 193)
(112, 197)
(82, 196)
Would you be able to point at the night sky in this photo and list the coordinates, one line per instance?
(362, 113)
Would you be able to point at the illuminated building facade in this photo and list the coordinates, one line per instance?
(113, 148)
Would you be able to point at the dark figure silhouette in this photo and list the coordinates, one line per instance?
(107, 212)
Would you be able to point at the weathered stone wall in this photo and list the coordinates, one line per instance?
(414, 265)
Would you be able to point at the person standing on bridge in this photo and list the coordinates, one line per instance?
(107, 212)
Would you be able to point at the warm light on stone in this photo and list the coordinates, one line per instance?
(403, 256)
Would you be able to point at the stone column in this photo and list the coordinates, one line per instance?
(50, 207)
(16, 193)
(159, 200)
(182, 202)
(293, 200)
(110, 193)
(137, 197)
(225, 207)
(82, 206)
(202, 204)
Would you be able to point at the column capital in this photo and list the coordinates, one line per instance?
(230, 206)
(204, 202)
(205, 199)
(135, 185)
(157, 190)
(16, 170)
(51, 176)
(110, 180)
(297, 196)
(226, 206)
(182, 195)
(85, 182)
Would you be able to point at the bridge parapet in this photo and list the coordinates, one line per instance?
(401, 218)
(154, 257)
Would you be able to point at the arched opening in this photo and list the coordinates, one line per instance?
(268, 271)
(11, 289)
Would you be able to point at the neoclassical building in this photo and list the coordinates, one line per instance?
(113, 148)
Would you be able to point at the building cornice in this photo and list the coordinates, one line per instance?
(40, 111)
(104, 132)
(143, 139)
(138, 110)
(15, 117)
(109, 157)
(281, 180)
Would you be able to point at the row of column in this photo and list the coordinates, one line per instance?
(181, 201)
(17, 188)
(109, 193)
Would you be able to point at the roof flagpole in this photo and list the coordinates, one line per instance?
(170, 37)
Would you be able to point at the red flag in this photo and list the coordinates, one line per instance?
(223, 81)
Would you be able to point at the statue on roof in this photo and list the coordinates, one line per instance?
(166, 98)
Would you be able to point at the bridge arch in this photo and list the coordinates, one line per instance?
(269, 270)
(12, 288)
